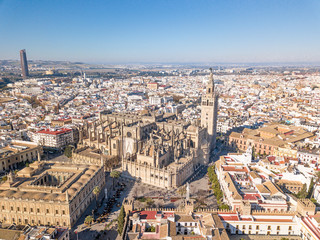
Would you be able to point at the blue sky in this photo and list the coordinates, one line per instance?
(123, 31)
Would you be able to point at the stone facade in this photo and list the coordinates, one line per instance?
(18, 152)
(271, 139)
(49, 193)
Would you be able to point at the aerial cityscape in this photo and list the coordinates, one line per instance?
(145, 137)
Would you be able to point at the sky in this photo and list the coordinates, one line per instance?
(161, 31)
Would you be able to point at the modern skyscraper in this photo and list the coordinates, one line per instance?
(209, 111)
(24, 63)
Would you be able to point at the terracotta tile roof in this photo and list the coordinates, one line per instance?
(315, 229)
(229, 217)
(57, 132)
(272, 188)
(172, 229)
(148, 214)
(184, 218)
(164, 230)
(262, 189)
(232, 187)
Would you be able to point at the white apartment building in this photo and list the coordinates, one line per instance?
(155, 100)
(55, 138)
(311, 156)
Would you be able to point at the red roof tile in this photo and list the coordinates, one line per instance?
(57, 132)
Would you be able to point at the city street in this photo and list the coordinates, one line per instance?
(99, 229)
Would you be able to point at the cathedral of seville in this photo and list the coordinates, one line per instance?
(157, 149)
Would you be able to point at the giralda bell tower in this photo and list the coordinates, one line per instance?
(209, 111)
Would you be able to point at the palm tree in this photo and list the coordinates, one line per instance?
(96, 192)
(88, 220)
(114, 174)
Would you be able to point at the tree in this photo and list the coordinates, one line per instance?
(88, 220)
(4, 178)
(314, 201)
(303, 193)
(182, 190)
(114, 174)
(310, 191)
(68, 151)
(151, 229)
(224, 206)
(96, 192)
(253, 153)
(121, 221)
(149, 202)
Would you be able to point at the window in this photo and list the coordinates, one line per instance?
(63, 212)
(290, 227)
(47, 210)
(24, 209)
(278, 227)
(250, 227)
(38, 210)
(257, 227)
(269, 227)
(57, 213)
